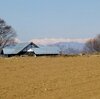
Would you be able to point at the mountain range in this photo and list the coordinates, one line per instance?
(66, 46)
(69, 47)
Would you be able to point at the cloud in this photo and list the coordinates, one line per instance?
(46, 41)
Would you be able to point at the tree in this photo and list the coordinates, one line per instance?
(93, 45)
(97, 43)
(89, 46)
(7, 34)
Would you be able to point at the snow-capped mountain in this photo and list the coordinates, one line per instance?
(47, 41)
(67, 46)
(70, 47)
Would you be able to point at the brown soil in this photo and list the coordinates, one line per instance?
(50, 78)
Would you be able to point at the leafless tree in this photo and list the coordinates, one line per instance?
(93, 45)
(89, 46)
(7, 34)
(97, 43)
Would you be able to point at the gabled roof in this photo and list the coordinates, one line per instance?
(15, 49)
(46, 50)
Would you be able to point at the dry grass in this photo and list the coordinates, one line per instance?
(50, 78)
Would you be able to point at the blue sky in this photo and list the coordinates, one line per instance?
(52, 18)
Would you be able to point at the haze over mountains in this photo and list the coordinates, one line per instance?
(48, 41)
(66, 45)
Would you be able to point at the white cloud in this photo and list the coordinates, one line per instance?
(46, 41)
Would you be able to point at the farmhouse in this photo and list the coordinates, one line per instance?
(29, 48)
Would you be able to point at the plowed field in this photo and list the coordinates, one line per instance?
(50, 77)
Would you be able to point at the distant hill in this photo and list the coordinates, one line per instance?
(70, 47)
(67, 46)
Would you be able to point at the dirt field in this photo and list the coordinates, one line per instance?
(50, 78)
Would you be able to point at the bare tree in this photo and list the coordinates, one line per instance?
(92, 45)
(89, 46)
(97, 43)
(7, 34)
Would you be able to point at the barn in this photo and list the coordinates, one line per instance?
(30, 48)
(18, 49)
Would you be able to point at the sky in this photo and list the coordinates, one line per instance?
(34, 19)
